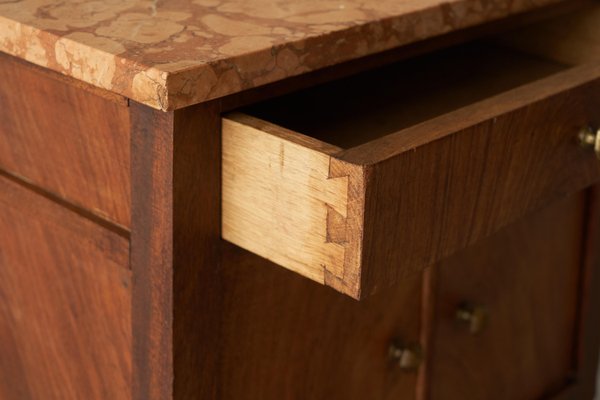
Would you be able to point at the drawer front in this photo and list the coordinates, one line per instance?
(506, 312)
(283, 337)
(65, 139)
(463, 176)
(65, 294)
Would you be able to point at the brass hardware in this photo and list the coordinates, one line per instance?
(407, 356)
(474, 316)
(589, 138)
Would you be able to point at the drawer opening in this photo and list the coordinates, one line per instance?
(359, 109)
(365, 107)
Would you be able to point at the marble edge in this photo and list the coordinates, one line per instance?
(176, 86)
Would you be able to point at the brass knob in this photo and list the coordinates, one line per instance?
(408, 356)
(473, 316)
(589, 138)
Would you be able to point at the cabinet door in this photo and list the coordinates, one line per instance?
(283, 337)
(506, 310)
(64, 303)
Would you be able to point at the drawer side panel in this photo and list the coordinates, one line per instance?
(278, 200)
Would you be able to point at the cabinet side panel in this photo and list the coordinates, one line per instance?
(65, 139)
(65, 292)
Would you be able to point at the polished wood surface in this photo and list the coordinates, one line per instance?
(65, 291)
(199, 318)
(585, 379)
(452, 191)
(196, 253)
(527, 277)
(67, 140)
(152, 253)
(284, 337)
(234, 293)
(176, 241)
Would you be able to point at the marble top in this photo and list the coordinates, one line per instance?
(170, 54)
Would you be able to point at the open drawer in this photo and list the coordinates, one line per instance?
(361, 181)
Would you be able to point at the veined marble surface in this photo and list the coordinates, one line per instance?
(170, 54)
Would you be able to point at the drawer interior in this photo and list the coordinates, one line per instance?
(370, 105)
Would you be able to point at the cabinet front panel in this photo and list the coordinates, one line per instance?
(286, 338)
(506, 312)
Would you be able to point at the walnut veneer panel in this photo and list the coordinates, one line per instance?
(284, 337)
(65, 291)
(65, 139)
(527, 276)
(173, 53)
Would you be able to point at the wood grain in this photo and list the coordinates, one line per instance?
(584, 379)
(527, 276)
(69, 141)
(587, 348)
(65, 302)
(198, 293)
(497, 161)
(220, 342)
(152, 252)
(277, 186)
(175, 243)
(213, 321)
(414, 196)
(283, 337)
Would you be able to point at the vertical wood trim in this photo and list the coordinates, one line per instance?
(152, 252)
(587, 347)
(197, 281)
(428, 299)
(175, 252)
(589, 339)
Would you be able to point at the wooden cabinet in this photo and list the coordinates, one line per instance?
(163, 200)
